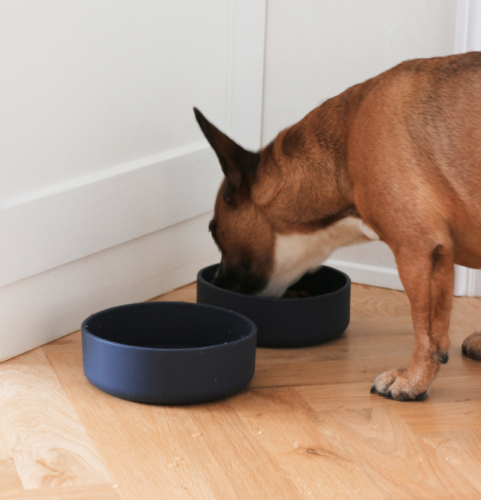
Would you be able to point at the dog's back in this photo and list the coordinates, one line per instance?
(417, 127)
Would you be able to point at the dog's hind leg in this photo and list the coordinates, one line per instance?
(428, 277)
(472, 346)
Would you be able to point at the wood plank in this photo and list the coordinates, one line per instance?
(375, 302)
(357, 395)
(466, 315)
(462, 448)
(231, 460)
(4, 451)
(186, 293)
(9, 478)
(69, 343)
(397, 455)
(443, 416)
(285, 372)
(49, 445)
(454, 403)
(168, 452)
(139, 461)
(298, 367)
(97, 492)
(378, 327)
(342, 349)
(369, 302)
(347, 453)
(320, 467)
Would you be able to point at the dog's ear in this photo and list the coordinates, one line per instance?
(236, 162)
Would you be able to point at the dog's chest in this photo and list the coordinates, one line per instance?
(295, 254)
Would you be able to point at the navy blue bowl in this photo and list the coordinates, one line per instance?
(169, 352)
(295, 322)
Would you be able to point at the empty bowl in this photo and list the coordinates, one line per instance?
(321, 315)
(169, 352)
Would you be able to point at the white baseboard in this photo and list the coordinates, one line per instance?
(467, 282)
(47, 228)
(365, 274)
(52, 304)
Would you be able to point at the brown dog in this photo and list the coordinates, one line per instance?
(396, 158)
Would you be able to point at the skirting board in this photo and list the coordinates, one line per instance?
(48, 228)
(384, 277)
(49, 305)
(467, 282)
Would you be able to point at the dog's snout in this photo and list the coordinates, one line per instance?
(238, 280)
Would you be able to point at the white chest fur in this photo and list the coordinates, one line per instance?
(296, 254)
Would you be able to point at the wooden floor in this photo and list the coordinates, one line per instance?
(307, 427)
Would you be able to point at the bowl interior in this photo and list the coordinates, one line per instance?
(325, 280)
(168, 325)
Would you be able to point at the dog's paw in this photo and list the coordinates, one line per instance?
(394, 384)
(472, 346)
(385, 380)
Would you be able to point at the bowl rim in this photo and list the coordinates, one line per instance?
(247, 338)
(277, 299)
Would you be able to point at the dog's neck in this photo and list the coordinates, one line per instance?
(302, 181)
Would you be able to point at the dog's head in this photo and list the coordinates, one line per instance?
(277, 215)
(239, 228)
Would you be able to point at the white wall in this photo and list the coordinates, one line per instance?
(106, 181)
(315, 49)
(96, 123)
(88, 85)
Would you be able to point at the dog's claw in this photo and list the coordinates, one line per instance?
(392, 385)
(422, 396)
(443, 357)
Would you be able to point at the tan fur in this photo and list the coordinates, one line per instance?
(402, 152)
(244, 233)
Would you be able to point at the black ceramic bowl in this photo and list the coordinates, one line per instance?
(285, 322)
(169, 352)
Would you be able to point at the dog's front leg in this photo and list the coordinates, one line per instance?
(428, 277)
